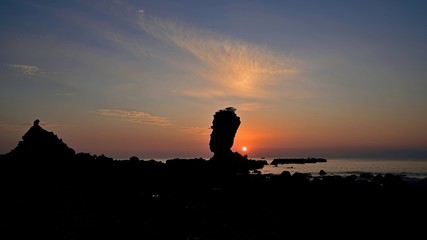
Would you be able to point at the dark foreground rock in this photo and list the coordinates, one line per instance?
(152, 200)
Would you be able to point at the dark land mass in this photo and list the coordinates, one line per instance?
(277, 161)
(50, 192)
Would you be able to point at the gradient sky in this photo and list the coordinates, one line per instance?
(144, 78)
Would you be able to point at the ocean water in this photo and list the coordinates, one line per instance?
(408, 168)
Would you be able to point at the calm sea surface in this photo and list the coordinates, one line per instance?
(409, 168)
(344, 167)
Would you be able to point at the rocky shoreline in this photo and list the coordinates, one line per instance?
(183, 200)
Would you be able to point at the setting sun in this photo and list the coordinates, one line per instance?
(244, 148)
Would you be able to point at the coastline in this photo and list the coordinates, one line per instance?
(409, 168)
(51, 192)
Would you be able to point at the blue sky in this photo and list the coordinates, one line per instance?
(124, 78)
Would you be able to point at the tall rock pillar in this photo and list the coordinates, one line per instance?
(224, 128)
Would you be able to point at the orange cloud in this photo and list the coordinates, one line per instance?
(136, 117)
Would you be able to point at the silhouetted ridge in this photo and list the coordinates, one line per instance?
(37, 143)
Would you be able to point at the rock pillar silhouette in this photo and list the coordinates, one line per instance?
(224, 128)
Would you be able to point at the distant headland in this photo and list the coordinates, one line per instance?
(277, 161)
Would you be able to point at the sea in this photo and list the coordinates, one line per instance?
(406, 168)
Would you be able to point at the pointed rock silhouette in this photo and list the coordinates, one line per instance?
(39, 144)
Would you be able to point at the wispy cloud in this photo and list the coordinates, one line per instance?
(26, 69)
(196, 130)
(211, 64)
(23, 126)
(136, 116)
(251, 106)
(230, 66)
(12, 127)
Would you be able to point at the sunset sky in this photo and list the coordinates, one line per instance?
(144, 78)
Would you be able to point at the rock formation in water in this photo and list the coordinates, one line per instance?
(224, 128)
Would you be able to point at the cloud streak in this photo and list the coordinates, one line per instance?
(26, 69)
(196, 130)
(12, 127)
(135, 116)
(228, 67)
(208, 64)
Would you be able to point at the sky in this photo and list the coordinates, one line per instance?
(308, 78)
